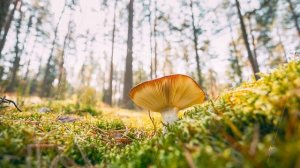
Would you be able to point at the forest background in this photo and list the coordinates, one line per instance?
(57, 49)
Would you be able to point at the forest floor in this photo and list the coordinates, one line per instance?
(254, 125)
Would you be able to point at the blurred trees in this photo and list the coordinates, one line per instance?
(196, 33)
(252, 58)
(16, 62)
(295, 15)
(128, 76)
(50, 73)
(111, 72)
(6, 19)
(54, 49)
(235, 74)
(4, 8)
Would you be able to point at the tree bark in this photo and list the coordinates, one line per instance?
(294, 16)
(281, 45)
(4, 8)
(7, 26)
(29, 24)
(27, 70)
(128, 77)
(16, 63)
(252, 60)
(151, 34)
(109, 96)
(46, 84)
(62, 71)
(252, 37)
(195, 40)
(155, 39)
(29, 61)
(237, 62)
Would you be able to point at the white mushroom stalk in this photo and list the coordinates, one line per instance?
(167, 95)
(169, 115)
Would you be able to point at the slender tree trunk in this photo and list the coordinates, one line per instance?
(270, 56)
(46, 84)
(40, 69)
(116, 87)
(25, 78)
(238, 67)
(252, 60)
(16, 63)
(167, 65)
(62, 71)
(83, 69)
(155, 38)
(109, 96)
(29, 61)
(7, 26)
(294, 16)
(1, 72)
(195, 40)
(4, 8)
(186, 58)
(252, 38)
(29, 24)
(128, 77)
(151, 34)
(212, 83)
(27, 70)
(120, 81)
(281, 45)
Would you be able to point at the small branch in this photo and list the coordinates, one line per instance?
(188, 156)
(164, 124)
(3, 100)
(152, 120)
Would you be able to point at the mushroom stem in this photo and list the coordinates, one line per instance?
(169, 116)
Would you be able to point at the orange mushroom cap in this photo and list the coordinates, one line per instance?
(173, 91)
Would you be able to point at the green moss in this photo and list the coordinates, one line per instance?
(115, 124)
(254, 125)
(237, 130)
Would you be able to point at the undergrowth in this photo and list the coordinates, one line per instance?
(254, 125)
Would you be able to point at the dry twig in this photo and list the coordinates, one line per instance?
(3, 101)
(152, 120)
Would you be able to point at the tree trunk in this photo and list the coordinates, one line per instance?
(29, 61)
(213, 91)
(40, 69)
(1, 72)
(294, 16)
(29, 24)
(46, 83)
(62, 71)
(151, 34)
(26, 87)
(128, 77)
(281, 45)
(7, 26)
(109, 96)
(27, 70)
(155, 39)
(237, 62)
(4, 8)
(16, 63)
(252, 60)
(195, 40)
(252, 37)
(83, 68)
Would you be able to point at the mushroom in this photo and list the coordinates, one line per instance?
(167, 95)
